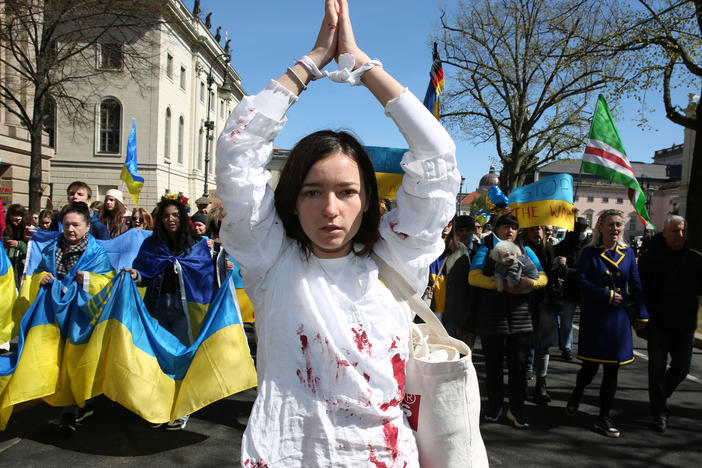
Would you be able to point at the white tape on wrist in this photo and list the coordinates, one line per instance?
(345, 73)
(307, 62)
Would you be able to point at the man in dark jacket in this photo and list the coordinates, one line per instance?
(79, 191)
(503, 322)
(671, 276)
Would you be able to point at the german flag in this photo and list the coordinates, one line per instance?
(436, 85)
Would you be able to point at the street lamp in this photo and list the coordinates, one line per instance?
(226, 92)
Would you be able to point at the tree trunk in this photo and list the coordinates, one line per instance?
(35, 165)
(693, 212)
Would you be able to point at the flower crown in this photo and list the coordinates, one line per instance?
(177, 197)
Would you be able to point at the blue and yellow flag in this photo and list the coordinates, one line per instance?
(546, 201)
(130, 176)
(388, 171)
(8, 293)
(436, 85)
(73, 346)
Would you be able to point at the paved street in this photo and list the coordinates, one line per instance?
(115, 437)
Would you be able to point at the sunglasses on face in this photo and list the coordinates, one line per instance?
(137, 220)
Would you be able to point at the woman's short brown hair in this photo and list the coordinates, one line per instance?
(303, 156)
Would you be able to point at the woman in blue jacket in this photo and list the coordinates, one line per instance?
(608, 279)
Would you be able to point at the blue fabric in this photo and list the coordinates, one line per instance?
(94, 260)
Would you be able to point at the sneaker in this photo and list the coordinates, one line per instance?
(604, 426)
(68, 424)
(567, 355)
(85, 412)
(518, 420)
(660, 423)
(177, 424)
(530, 375)
(155, 425)
(493, 418)
(572, 405)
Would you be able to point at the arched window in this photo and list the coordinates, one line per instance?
(588, 215)
(181, 130)
(167, 135)
(110, 131)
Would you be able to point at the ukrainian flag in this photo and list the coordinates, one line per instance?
(130, 176)
(388, 171)
(546, 201)
(8, 293)
(73, 347)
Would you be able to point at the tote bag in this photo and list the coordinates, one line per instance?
(442, 399)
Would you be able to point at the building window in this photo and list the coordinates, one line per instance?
(181, 129)
(110, 56)
(632, 223)
(169, 66)
(199, 148)
(110, 126)
(182, 77)
(620, 201)
(605, 199)
(202, 92)
(591, 199)
(167, 135)
(588, 216)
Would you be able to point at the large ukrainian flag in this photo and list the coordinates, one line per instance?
(8, 293)
(73, 346)
(388, 171)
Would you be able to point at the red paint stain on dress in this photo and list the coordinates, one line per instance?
(374, 460)
(310, 381)
(393, 345)
(361, 339)
(401, 234)
(255, 464)
(390, 434)
(398, 370)
(366, 376)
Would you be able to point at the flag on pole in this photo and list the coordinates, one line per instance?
(436, 85)
(605, 157)
(129, 175)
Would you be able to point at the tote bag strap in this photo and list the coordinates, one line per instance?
(401, 288)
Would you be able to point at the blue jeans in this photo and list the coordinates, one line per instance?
(170, 315)
(565, 325)
(661, 382)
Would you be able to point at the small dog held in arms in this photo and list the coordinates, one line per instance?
(511, 264)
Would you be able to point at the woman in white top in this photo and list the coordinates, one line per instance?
(332, 340)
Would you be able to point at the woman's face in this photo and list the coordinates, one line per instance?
(15, 220)
(171, 219)
(199, 228)
(137, 220)
(109, 203)
(45, 223)
(331, 204)
(611, 229)
(507, 232)
(74, 227)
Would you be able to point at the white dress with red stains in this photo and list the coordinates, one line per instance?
(332, 340)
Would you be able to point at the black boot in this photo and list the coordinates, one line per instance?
(541, 396)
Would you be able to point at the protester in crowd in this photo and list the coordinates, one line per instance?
(671, 276)
(2, 220)
(45, 219)
(157, 267)
(223, 264)
(75, 256)
(504, 324)
(16, 220)
(610, 284)
(543, 312)
(457, 316)
(567, 294)
(204, 204)
(487, 230)
(305, 256)
(549, 234)
(35, 218)
(112, 213)
(141, 219)
(199, 221)
(79, 191)
(96, 205)
(478, 232)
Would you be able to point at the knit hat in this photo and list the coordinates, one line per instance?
(199, 218)
(116, 194)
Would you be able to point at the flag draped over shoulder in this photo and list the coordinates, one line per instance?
(194, 270)
(73, 346)
(8, 293)
(546, 201)
(130, 176)
(436, 85)
(605, 157)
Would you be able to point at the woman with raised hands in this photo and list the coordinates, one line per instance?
(333, 341)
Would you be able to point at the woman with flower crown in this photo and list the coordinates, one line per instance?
(159, 267)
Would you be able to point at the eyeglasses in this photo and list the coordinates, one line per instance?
(171, 215)
(137, 220)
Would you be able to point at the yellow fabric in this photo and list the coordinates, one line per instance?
(558, 213)
(388, 183)
(245, 306)
(541, 282)
(8, 296)
(478, 279)
(439, 292)
(196, 312)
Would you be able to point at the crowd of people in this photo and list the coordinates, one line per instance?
(332, 339)
(654, 294)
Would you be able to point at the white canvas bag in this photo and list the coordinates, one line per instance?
(442, 399)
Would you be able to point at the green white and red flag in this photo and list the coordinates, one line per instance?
(605, 157)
